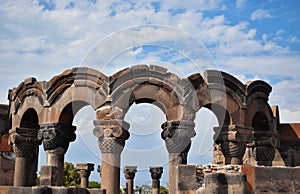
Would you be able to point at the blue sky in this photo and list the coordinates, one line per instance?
(249, 39)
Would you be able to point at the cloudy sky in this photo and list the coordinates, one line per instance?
(248, 39)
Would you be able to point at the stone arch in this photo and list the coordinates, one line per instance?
(261, 117)
(74, 88)
(28, 95)
(155, 85)
(149, 84)
(224, 90)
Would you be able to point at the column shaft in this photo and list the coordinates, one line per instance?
(174, 160)
(25, 146)
(24, 172)
(112, 135)
(155, 186)
(56, 159)
(177, 136)
(156, 173)
(110, 171)
(84, 182)
(56, 138)
(129, 186)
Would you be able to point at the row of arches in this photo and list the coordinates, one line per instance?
(47, 109)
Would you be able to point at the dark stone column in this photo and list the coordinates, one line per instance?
(56, 138)
(265, 143)
(25, 146)
(112, 135)
(177, 136)
(233, 140)
(99, 170)
(85, 172)
(156, 173)
(129, 172)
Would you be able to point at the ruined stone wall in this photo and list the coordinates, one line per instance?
(7, 164)
(290, 143)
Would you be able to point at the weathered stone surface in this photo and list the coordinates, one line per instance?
(186, 177)
(272, 179)
(7, 168)
(49, 175)
(49, 190)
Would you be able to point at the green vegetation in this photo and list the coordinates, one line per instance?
(163, 190)
(71, 175)
(94, 185)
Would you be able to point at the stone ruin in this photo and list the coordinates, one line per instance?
(253, 151)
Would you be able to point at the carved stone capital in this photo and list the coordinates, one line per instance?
(266, 139)
(24, 141)
(233, 133)
(55, 135)
(111, 134)
(156, 172)
(129, 172)
(264, 155)
(85, 169)
(177, 135)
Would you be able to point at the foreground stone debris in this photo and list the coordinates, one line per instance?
(248, 143)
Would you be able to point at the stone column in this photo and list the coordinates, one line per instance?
(233, 140)
(99, 170)
(56, 138)
(112, 135)
(264, 145)
(177, 136)
(85, 172)
(25, 146)
(156, 173)
(129, 172)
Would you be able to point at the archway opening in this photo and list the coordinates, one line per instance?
(85, 149)
(260, 122)
(207, 118)
(30, 119)
(201, 151)
(145, 147)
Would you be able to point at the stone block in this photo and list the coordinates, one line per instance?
(297, 179)
(7, 169)
(263, 179)
(186, 177)
(249, 171)
(4, 189)
(237, 182)
(283, 179)
(215, 183)
(96, 191)
(49, 176)
(19, 190)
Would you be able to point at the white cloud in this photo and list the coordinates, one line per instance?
(260, 14)
(240, 4)
(42, 44)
